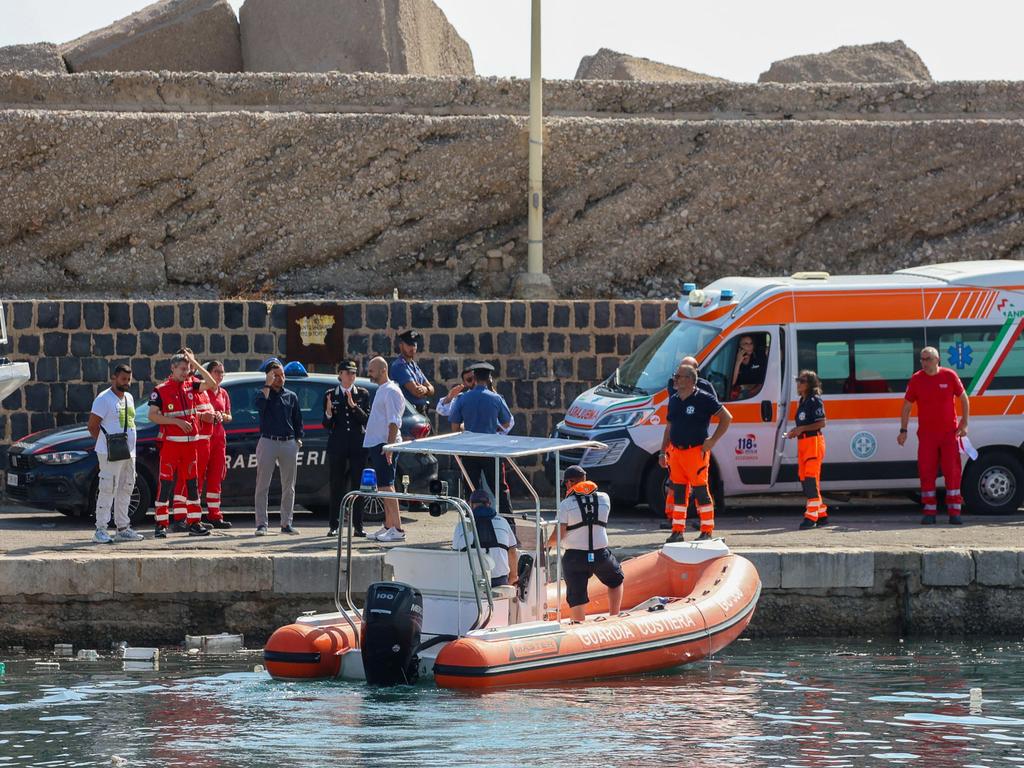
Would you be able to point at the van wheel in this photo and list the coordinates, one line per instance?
(655, 489)
(993, 484)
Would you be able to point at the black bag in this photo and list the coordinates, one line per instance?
(117, 443)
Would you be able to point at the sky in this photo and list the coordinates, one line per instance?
(734, 39)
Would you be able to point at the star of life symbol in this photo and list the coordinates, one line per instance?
(863, 445)
(960, 355)
(689, 410)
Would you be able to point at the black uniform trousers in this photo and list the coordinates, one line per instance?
(346, 472)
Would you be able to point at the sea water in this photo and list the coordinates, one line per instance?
(759, 703)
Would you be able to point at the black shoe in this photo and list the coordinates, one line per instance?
(196, 529)
(332, 533)
(927, 519)
(822, 522)
(220, 523)
(675, 538)
(206, 526)
(161, 532)
(289, 529)
(665, 525)
(179, 526)
(360, 533)
(806, 524)
(704, 537)
(955, 520)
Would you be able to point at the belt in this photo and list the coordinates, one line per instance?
(278, 438)
(687, 447)
(815, 433)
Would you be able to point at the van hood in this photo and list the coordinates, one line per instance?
(587, 410)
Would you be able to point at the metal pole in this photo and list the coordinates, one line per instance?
(535, 249)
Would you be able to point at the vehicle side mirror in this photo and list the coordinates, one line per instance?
(766, 410)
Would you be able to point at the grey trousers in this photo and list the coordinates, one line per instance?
(116, 483)
(282, 453)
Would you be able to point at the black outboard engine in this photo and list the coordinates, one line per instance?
(392, 620)
(525, 572)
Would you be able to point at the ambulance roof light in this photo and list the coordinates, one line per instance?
(811, 275)
(727, 294)
(689, 288)
(697, 298)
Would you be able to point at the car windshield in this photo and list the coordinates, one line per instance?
(649, 368)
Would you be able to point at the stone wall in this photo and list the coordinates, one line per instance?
(546, 352)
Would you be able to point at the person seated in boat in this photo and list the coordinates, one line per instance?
(583, 519)
(496, 539)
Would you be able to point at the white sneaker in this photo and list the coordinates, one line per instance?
(378, 533)
(128, 535)
(102, 537)
(392, 534)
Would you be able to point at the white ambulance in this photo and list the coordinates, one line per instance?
(12, 375)
(863, 335)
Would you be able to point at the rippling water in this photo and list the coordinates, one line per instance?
(757, 704)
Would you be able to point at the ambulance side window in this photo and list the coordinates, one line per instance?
(731, 384)
(966, 349)
(861, 360)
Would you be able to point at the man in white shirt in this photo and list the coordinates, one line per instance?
(113, 411)
(583, 518)
(382, 428)
(496, 539)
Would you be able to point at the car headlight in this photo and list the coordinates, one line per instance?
(61, 457)
(622, 419)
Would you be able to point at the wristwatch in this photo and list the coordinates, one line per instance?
(902, 431)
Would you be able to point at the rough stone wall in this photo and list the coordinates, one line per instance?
(607, 64)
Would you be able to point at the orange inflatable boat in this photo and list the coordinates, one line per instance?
(683, 602)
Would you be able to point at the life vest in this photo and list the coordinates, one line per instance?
(488, 536)
(178, 401)
(585, 493)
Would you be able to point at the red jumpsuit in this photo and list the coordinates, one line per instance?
(178, 447)
(937, 443)
(217, 467)
(202, 444)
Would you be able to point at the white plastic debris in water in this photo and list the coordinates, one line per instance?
(222, 643)
(88, 655)
(193, 651)
(47, 665)
(118, 760)
(141, 666)
(118, 645)
(974, 703)
(63, 649)
(141, 654)
(259, 668)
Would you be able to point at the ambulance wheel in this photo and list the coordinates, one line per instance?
(993, 484)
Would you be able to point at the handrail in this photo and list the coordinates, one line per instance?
(541, 541)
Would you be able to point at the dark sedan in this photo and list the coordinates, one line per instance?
(57, 468)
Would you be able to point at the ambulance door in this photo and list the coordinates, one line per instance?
(754, 394)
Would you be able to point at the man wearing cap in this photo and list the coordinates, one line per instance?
(496, 539)
(407, 374)
(485, 411)
(346, 409)
(583, 520)
(281, 435)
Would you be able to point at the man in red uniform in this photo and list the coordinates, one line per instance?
(172, 405)
(935, 389)
(205, 416)
(217, 467)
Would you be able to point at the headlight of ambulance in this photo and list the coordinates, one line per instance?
(61, 457)
(622, 419)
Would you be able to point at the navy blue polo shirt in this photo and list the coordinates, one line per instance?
(403, 371)
(810, 410)
(689, 419)
(480, 410)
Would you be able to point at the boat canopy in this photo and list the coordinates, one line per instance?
(490, 446)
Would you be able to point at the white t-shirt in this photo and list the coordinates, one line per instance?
(388, 407)
(503, 533)
(112, 412)
(569, 513)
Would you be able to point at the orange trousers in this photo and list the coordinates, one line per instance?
(810, 455)
(688, 470)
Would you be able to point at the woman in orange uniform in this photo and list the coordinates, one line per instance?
(810, 422)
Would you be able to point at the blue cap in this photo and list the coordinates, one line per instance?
(479, 496)
(266, 364)
(295, 368)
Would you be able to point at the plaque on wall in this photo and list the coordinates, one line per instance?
(316, 333)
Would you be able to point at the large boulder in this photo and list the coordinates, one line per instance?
(406, 37)
(607, 64)
(40, 57)
(176, 35)
(875, 63)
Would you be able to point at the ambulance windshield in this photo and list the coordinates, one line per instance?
(652, 364)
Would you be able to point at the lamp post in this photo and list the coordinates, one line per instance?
(534, 283)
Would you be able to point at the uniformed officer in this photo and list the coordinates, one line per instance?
(346, 409)
(810, 423)
(406, 372)
(686, 449)
(670, 500)
(485, 411)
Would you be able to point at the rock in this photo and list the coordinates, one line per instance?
(405, 37)
(875, 63)
(39, 57)
(607, 64)
(174, 35)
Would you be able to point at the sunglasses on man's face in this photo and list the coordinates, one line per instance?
(927, 359)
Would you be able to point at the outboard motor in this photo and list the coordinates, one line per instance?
(525, 571)
(392, 620)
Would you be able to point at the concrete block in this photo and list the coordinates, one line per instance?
(998, 568)
(56, 576)
(149, 575)
(947, 568)
(768, 564)
(314, 573)
(230, 573)
(827, 569)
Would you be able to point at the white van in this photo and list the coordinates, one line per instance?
(862, 334)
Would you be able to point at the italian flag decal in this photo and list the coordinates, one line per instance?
(1000, 348)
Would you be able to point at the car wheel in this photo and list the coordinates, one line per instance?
(993, 484)
(373, 510)
(138, 505)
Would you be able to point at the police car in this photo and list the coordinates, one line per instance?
(56, 469)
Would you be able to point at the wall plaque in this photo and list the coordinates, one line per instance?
(316, 333)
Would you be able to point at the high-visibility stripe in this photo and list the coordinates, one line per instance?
(995, 356)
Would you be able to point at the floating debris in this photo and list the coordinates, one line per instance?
(47, 665)
(88, 654)
(63, 649)
(141, 654)
(259, 668)
(222, 643)
(3, 669)
(118, 760)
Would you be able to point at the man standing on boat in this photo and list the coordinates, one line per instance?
(583, 519)
(686, 449)
(496, 539)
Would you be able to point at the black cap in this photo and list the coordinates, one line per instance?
(410, 337)
(574, 472)
(348, 365)
(481, 367)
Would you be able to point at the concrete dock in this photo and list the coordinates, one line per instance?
(874, 572)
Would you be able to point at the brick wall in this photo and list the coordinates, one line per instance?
(546, 352)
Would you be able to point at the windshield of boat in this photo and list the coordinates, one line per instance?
(649, 368)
